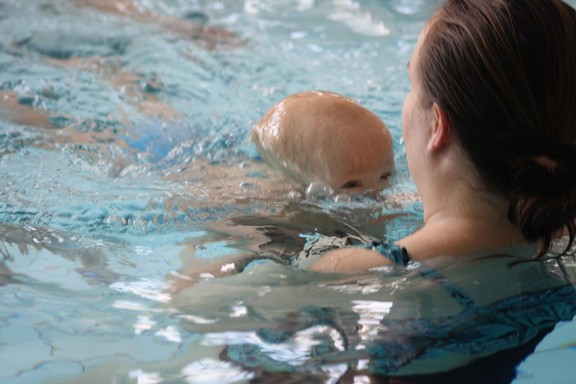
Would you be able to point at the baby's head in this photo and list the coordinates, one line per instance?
(323, 136)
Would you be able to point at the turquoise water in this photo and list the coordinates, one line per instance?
(125, 161)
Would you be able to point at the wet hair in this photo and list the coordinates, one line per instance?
(504, 72)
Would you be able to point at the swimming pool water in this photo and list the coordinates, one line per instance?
(125, 153)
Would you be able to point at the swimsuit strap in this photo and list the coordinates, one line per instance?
(398, 255)
(457, 293)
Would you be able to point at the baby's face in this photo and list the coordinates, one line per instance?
(366, 162)
(376, 177)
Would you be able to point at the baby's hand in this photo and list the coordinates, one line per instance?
(195, 266)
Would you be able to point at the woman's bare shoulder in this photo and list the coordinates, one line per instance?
(460, 237)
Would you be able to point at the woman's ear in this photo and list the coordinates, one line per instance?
(441, 134)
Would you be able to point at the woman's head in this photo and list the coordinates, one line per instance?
(504, 73)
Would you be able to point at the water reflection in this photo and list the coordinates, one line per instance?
(30, 250)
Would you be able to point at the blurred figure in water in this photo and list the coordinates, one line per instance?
(193, 28)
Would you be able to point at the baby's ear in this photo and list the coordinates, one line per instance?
(255, 133)
(441, 134)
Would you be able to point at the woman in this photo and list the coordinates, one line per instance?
(490, 132)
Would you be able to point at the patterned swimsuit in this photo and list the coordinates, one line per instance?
(474, 331)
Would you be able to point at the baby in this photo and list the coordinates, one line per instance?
(326, 137)
(310, 137)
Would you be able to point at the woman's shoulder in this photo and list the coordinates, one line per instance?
(460, 238)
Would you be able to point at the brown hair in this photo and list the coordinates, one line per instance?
(505, 73)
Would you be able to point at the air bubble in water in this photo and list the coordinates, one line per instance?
(342, 198)
(318, 190)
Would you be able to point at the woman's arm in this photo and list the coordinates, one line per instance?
(351, 259)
